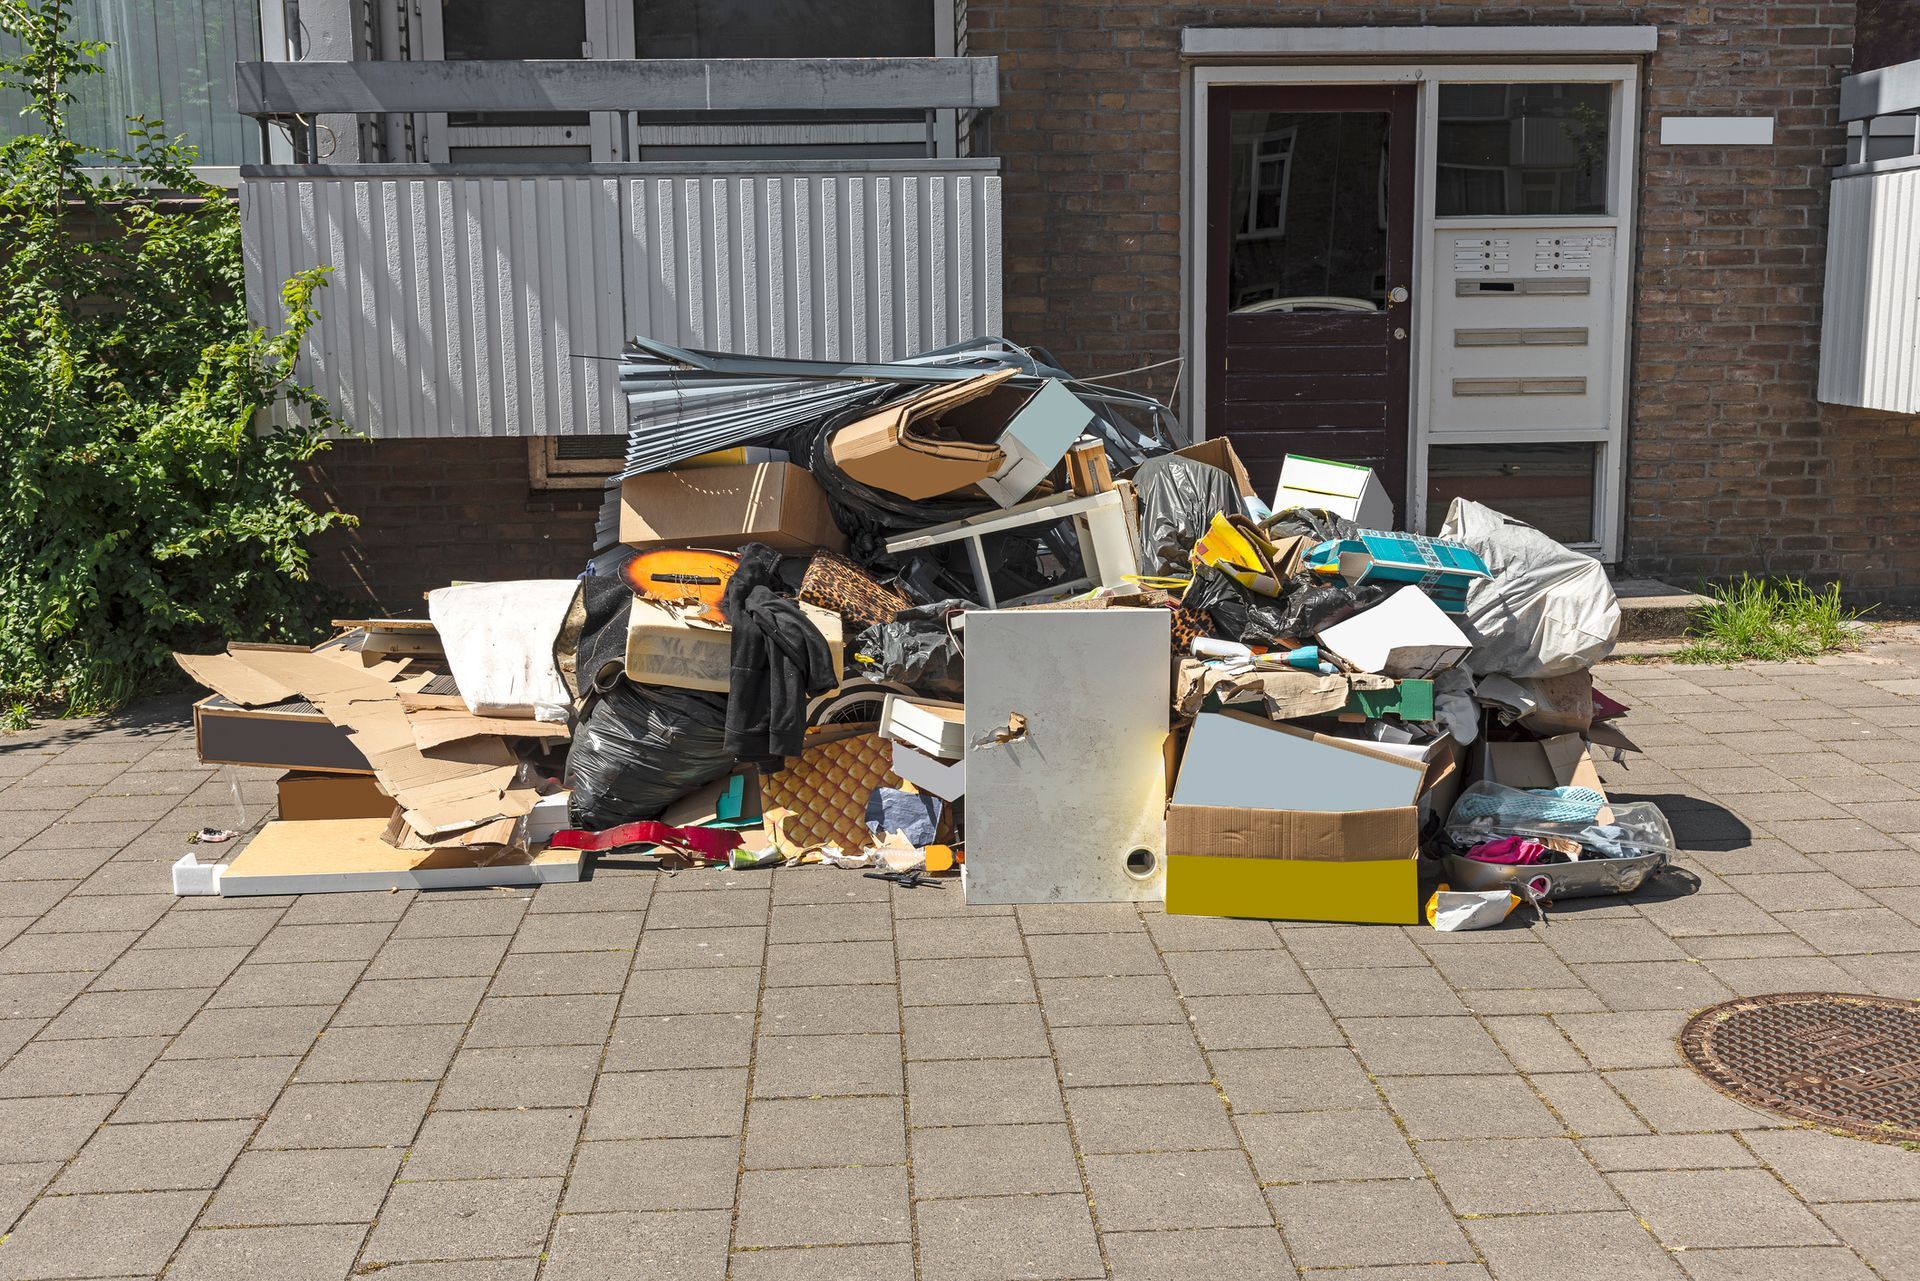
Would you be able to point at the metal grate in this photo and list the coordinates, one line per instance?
(1843, 1062)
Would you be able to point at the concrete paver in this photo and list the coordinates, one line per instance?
(716, 1074)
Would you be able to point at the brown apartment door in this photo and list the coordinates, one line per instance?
(1310, 276)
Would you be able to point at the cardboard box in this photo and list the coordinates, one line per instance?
(1345, 489)
(935, 441)
(1035, 440)
(291, 735)
(1405, 636)
(727, 507)
(668, 643)
(1562, 761)
(1359, 866)
(305, 796)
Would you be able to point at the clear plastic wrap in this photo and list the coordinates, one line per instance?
(1487, 811)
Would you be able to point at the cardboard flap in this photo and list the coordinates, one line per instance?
(456, 786)
(1232, 832)
(436, 727)
(234, 680)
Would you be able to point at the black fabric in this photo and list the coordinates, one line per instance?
(779, 661)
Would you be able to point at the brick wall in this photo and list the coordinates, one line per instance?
(438, 510)
(1733, 465)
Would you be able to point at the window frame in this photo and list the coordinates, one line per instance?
(548, 471)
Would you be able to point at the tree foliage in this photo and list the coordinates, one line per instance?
(145, 509)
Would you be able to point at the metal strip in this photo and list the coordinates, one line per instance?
(1519, 386)
(1534, 286)
(1572, 337)
(785, 86)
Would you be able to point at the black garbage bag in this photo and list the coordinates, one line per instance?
(1311, 602)
(1237, 613)
(1179, 498)
(1311, 523)
(916, 649)
(642, 747)
(1307, 603)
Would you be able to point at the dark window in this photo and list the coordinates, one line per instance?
(1551, 487)
(1523, 150)
(487, 30)
(793, 29)
(1308, 203)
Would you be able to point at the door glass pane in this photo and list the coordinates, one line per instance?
(794, 29)
(1524, 150)
(1308, 206)
(1550, 487)
(498, 30)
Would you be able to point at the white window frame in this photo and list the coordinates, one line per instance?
(1255, 188)
(1622, 182)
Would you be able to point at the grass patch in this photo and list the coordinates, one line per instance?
(16, 718)
(1757, 619)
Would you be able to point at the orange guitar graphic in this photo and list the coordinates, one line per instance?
(671, 573)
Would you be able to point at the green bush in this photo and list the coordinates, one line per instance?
(143, 512)
(1768, 621)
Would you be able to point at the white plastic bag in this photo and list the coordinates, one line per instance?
(1452, 910)
(1546, 611)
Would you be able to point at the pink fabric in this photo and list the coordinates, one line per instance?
(1513, 850)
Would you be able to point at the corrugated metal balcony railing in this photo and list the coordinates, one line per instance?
(1870, 335)
(485, 301)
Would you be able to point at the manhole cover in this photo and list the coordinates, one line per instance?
(1844, 1062)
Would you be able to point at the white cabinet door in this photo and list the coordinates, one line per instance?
(1073, 808)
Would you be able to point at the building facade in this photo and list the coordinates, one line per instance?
(1640, 273)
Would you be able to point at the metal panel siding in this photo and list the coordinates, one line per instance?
(1870, 337)
(469, 306)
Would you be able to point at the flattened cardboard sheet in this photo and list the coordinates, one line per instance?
(436, 726)
(234, 680)
(458, 786)
(341, 855)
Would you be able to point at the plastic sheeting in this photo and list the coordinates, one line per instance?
(1179, 498)
(1546, 611)
(642, 747)
(917, 649)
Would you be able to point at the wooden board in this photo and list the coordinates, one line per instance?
(331, 856)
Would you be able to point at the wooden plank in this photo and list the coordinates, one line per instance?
(837, 85)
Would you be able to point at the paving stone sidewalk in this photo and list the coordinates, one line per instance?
(813, 1075)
